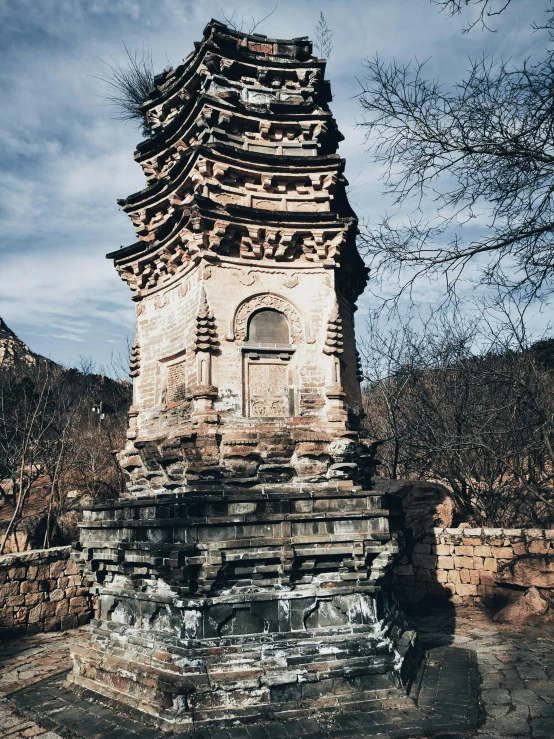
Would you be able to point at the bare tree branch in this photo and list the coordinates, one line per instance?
(484, 149)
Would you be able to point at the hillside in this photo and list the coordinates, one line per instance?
(13, 351)
(59, 428)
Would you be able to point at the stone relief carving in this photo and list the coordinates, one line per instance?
(160, 300)
(248, 278)
(291, 281)
(267, 384)
(266, 300)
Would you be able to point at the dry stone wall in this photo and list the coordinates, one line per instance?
(472, 564)
(41, 590)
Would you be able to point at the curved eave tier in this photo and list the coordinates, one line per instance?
(206, 111)
(231, 156)
(204, 229)
(214, 169)
(250, 50)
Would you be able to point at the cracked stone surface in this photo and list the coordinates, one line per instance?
(516, 688)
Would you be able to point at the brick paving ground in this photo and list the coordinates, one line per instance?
(516, 690)
(23, 663)
(516, 667)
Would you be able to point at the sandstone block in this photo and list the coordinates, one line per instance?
(465, 589)
(17, 573)
(474, 577)
(461, 563)
(11, 588)
(78, 602)
(463, 551)
(62, 608)
(15, 600)
(502, 552)
(465, 576)
(538, 546)
(52, 624)
(446, 563)
(482, 551)
(454, 576)
(31, 599)
(34, 614)
(443, 549)
(490, 564)
(47, 609)
(534, 534)
(29, 587)
(69, 622)
(486, 578)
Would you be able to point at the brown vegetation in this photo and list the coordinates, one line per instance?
(474, 412)
(58, 430)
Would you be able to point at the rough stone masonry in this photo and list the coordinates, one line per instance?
(245, 574)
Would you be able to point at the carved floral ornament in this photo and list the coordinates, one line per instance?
(239, 323)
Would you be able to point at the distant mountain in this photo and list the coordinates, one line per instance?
(104, 394)
(13, 351)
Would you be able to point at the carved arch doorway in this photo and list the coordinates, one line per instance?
(268, 366)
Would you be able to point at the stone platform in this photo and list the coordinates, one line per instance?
(447, 702)
(516, 687)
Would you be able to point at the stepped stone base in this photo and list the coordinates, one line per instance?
(181, 684)
(244, 605)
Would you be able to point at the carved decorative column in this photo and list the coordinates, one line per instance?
(204, 344)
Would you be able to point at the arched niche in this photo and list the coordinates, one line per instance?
(266, 301)
(268, 326)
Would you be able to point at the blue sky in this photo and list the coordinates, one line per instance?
(65, 160)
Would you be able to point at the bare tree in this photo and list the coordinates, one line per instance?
(468, 402)
(488, 9)
(483, 148)
(58, 432)
(323, 38)
(26, 401)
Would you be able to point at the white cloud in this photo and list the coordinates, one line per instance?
(66, 161)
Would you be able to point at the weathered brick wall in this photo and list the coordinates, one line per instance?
(41, 590)
(469, 563)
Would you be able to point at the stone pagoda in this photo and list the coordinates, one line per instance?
(245, 573)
